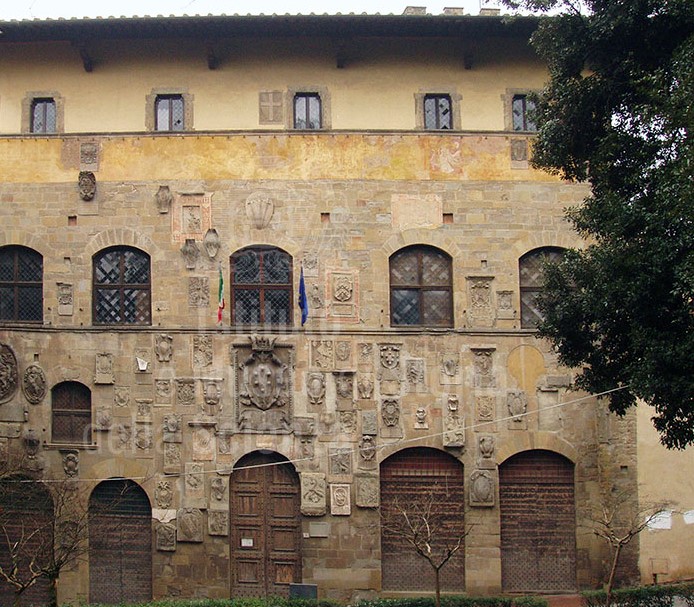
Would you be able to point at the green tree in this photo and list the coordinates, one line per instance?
(618, 113)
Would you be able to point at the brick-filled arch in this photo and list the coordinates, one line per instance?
(120, 543)
(538, 523)
(410, 477)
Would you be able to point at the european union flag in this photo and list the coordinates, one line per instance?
(303, 301)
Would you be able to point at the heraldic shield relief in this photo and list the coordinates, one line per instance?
(263, 385)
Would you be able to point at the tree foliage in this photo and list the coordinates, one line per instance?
(618, 113)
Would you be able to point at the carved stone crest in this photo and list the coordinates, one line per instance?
(104, 369)
(185, 391)
(190, 252)
(517, 405)
(340, 503)
(390, 412)
(315, 387)
(212, 395)
(189, 522)
(198, 292)
(322, 354)
(163, 347)
(86, 183)
(482, 488)
(71, 463)
(218, 522)
(313, 494)
(202, 350)
(171, 428)
(340, 461)
(121, 396)
(34, 384)
(483, 361)
(212, 243)
(259, 209)
(365, 387)
(367, 491)
(165, 534)
(163, 494)
(163, 198)
(264, 386)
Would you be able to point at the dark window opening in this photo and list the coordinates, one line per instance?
(43, 116)
(261, 286)
(421, 287)
(122, 289)
(523, 111)
(72, 413)
(21, 284)
(530, 268)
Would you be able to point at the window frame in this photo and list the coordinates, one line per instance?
(44, 103)
(453, 97)
(16, 284)
(73, 390)
(120, 286)
(169, 100)
(533, 290)
(151, 108)
(261, 286)
(526, 102)
(437, 98)
(507, 99)
(420, 250)
(28, 104)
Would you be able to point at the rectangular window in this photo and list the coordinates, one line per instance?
(523, 112)
(169, 113)
(437, 112)
(43, 116)
(307, 111)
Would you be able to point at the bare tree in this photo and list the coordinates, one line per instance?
(618, 521)
(44, 529)
(431, 525)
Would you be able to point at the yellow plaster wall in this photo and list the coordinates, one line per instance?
(375, 89)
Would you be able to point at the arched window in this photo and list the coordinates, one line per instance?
(261, 286)
(122, 287)
(21, 284)
(71, 405)
(531, 279)
(421, 287)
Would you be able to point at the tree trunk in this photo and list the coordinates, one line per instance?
(437, 586)
(613, 573)
(52, 592)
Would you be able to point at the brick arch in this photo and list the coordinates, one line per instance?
(288, 245)
(539, 240)
(547, 441)
(411, 477)
(24, 239)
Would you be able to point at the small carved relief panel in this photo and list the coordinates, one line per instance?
(259, 209)
(202, 350)
(124, 432)
(415, 374)
(322, 355)
(144, 410)
(191, 217)
(482, 489)
(185, 391)
(65, 299)
(485, 408)
(121, 398)
(366, 356)
(212, 244)
(172, 458)
(165, 537)
(486, 444)
(189, 521)
(504, 305)
(343, 296)
(198, 292)
(420, 418)
(162, 391)
(310, 263)
(340, 461)
(219, 494)
(264, 386)
(479, 311)
(212, 396)
(348, 421)
(203, 444)
(390, 412)
(34, 384)
(343, 354)
(143, 437)
(194, 485)
(313, 494)
(450, 369)
(218, 522)
(191, 253)
(365, 386)
(517, 405)
(369, 423)
(454, 423)
(143, 359)
(340, 500)
(163, 199)
(103, 420)
(86, 184)
(104, 369)
(71, 463)
(367, 452)
(163, 494)
(483, 366)
(367, 491)
(344, 389)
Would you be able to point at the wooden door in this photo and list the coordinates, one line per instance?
(538, 523)
(120, 543)
(265, 526)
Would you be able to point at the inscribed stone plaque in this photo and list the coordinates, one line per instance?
(340, 500)
(411, 211)
(367, 491)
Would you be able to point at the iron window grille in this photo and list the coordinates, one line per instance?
(122, 287)
(421, 287)
(523, 112)
(307, 111)
(437, 112)
(44, 117)
(261, 286)
(21, 285)
(530, 269)
(72, 413)
(169, 113)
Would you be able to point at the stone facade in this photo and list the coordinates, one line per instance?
(180, 399)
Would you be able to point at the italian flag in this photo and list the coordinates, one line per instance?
(221, 304)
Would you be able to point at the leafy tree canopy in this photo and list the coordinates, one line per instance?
(618, 112)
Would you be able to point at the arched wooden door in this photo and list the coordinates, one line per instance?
(411, 477)
(265, 526)
(120, 543)
(538, 523)
(26, 514)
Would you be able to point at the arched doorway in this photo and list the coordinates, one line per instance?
(538, 523)
(26, 529)
(265, 526)
(120, 543)
(410, 478)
